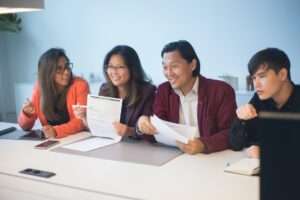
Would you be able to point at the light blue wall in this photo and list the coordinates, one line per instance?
(225, 34)
(7, 111)
(1, 76)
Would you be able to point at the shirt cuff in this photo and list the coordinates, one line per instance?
(137, 131)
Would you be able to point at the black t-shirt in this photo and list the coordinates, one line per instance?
(245, 133)
(62, 115)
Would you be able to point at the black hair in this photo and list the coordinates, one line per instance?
(51, 97)
(186, 50)
(137, 75)
(272, 58)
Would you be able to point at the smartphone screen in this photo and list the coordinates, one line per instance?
(47, 144)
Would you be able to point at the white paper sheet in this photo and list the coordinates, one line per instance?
(90, 143)
(189, 132)
(168, 133)
(101, 113)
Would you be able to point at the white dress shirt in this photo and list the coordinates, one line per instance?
(189, 106)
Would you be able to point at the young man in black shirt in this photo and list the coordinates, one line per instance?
(275, 91)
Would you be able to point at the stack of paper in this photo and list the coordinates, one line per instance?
(245, 166)
(101, 113)
(168, 133)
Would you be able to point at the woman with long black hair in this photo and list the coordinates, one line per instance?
(126, 79)
(53, 96)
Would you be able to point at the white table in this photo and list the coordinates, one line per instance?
(77, 177)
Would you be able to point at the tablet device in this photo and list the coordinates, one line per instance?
(18, 134)
(33, 135)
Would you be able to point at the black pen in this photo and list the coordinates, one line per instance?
(7, 130)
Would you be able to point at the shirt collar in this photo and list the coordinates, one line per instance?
(194, 89)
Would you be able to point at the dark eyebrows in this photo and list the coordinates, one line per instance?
(259, 74)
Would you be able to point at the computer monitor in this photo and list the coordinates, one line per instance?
(280, 156)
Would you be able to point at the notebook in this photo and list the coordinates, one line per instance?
(245, 166)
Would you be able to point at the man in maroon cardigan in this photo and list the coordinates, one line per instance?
(191, 99)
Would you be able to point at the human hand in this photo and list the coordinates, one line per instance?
(253, 151)
(80, 112)
(122, 129)
(193, 146)
(145, 126)
(246, 112)
(49, 131)
(28, 107)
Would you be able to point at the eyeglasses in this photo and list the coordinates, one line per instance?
(117, 68)
(68, 66)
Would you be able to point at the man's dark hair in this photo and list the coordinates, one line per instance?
(186, 50)
(272, 58)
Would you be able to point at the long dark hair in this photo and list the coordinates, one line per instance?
(51, 98)
(136, 72)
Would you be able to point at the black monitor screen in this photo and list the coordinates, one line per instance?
(280, 157)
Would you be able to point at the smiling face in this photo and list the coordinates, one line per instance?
(268, 83)
(118, 71)
(178, 71)
(63, 73)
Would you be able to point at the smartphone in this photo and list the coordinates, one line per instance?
(47, 144)
(36, 172)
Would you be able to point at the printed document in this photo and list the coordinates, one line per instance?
(168, 133)
(101, 113)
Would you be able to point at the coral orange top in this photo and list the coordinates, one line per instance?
(77, 94)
